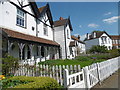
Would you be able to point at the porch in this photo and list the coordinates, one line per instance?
(29, 49)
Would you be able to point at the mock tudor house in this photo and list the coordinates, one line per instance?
(28, 31)
(62, 34)
(98, 38)
(76, 46)
(115, 41)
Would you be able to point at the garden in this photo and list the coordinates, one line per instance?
(10, 81)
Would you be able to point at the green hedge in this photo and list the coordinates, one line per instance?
(32, 82)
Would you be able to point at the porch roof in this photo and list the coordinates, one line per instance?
(22, 36)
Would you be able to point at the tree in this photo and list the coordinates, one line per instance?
(98, 49)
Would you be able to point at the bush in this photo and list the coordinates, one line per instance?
(114, 52)
(98, 49)
(8, 62)
(32, 82)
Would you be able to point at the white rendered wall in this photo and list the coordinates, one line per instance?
(59, 38)
(41, 31)
(9, 12)
(109, 41)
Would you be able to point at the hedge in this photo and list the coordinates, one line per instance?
(33, 82)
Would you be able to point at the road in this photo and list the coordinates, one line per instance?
(112, 83)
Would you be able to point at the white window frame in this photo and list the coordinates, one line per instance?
(45, 29)
(21, 18)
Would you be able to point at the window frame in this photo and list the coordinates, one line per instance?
(45, 28)
(21, 17)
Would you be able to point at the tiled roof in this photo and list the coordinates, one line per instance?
(115, 36)
(98, 35)
(72, 44)
(60, 22)
(75, 38)
(22, 36)
(41, 9)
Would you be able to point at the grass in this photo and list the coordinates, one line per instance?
(82, 63)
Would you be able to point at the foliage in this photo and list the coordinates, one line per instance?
(8, 62)
(30, 82)
(114, 52)
(98, 49)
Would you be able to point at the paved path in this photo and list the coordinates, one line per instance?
(111, 82)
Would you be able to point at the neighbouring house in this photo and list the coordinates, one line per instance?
(76, 46)
(115, 41)
(28, 31)
(98, 38)
(62, 34)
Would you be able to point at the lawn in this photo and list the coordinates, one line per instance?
(81, 60)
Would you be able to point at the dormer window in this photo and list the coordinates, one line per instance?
(45, 29)
(20, 20)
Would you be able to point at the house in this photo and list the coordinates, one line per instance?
(101, 38)
(28, 31)
(62, 34)
(115, 41)
(77, 46)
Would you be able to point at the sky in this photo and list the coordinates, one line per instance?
(87, 16)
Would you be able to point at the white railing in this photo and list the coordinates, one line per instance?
(93, 74)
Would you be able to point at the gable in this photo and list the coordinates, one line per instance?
(29, 7)
(46, 10)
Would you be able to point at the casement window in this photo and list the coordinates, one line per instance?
(45, 29)
(20, 19)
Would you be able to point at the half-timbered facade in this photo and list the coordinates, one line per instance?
(28, 31)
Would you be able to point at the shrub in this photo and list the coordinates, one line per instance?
(114, 52)
(98, 49)
(8, 62)
(32, 82)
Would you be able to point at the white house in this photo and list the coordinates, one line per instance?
(27, 31)
(62, 34)
(77, 46)
(98, 38)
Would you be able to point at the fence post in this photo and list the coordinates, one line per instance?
(87, 80)
(98, 72)
(65, 77)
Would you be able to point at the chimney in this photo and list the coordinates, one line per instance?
(78, 36)
(61, 18)
(87, 36)
(94, 34)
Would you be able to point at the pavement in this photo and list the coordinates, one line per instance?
(111, 83)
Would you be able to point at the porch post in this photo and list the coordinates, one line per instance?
(39, 48)
(21, 46)
(45, 52)
(31, 49)
(9, 46)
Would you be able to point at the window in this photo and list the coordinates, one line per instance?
(20, 18)
(67, 34)
(45, 29)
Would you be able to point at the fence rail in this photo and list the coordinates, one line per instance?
(55, 71)
(73, 76)
(93, 74)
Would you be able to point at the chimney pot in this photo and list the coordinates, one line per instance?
(78, 36)
(61, 18)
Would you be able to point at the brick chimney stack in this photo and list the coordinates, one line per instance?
(61, 18)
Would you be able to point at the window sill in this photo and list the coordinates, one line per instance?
(21, 26)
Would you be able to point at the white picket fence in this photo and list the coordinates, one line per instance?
(55, 72)
(91, 75)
